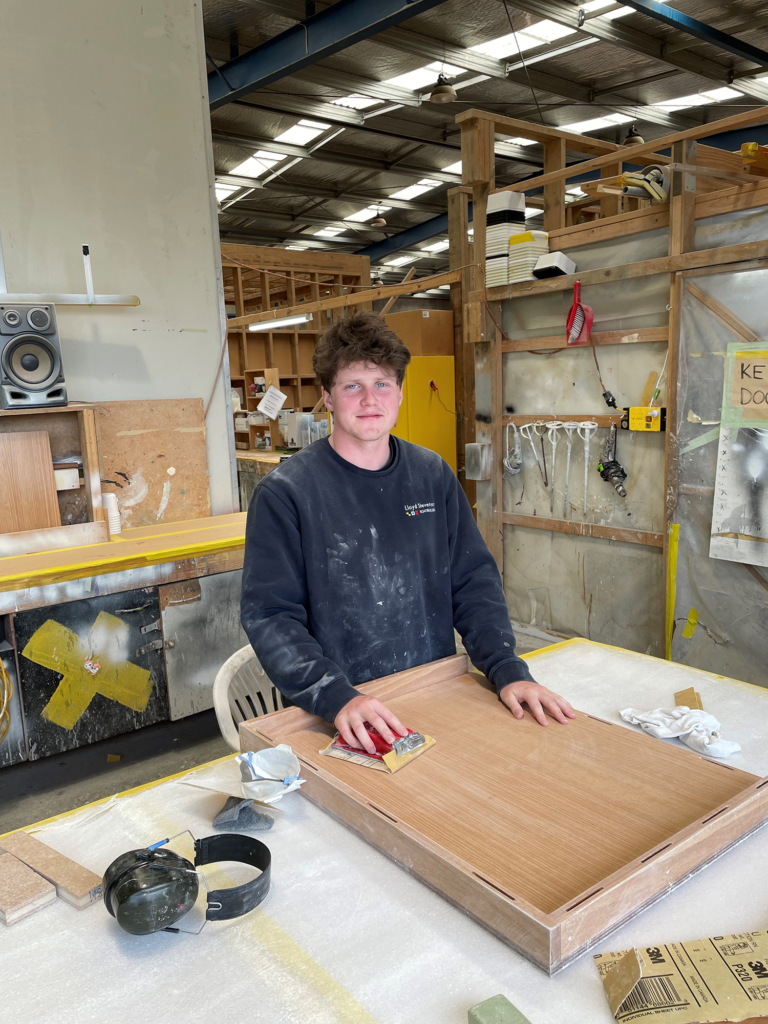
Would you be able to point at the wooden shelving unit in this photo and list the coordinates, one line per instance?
(257, 279)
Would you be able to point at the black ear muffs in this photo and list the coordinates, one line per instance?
(149, 890)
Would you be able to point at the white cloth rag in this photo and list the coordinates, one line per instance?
(697, 729)
(267, 775)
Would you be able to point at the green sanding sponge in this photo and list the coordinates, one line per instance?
(497, 1010)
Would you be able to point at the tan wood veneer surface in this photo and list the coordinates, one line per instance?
(545, 814)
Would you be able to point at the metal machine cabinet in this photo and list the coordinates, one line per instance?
(90, 669)
(201, 628)
(428, 413)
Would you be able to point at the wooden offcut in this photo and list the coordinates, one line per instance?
(28, 494)
(22, 890)
(551, 838)
(74, 883)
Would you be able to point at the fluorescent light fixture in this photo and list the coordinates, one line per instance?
(328, 232)
(533, 211)
(355, 102)
(303, 132)
(257, 164)
(399, 261)
(453, 168)
(224, 191)
(437, 246)
(412, 191)
(368, 213)
(286, 321)
(298, 248)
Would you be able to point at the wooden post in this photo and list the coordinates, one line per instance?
(610, 205)
(89, 449)
(464, 353)
(682, 202)
(237, 285)
(554, 193)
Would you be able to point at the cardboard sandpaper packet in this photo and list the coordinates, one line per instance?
(724, 978)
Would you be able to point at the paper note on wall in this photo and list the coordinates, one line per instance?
(272, 402)
(724, 978)
(740, 508)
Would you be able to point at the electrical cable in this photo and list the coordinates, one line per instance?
(6, 696)
(522, 61)
(433, 387)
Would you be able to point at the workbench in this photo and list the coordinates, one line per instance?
(172, 588)
(346, 936)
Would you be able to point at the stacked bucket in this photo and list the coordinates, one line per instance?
(525, 250)
(505, 219)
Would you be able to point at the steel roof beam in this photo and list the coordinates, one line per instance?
(685, 23)
(278, 189)
(629, 38)
(323, 34)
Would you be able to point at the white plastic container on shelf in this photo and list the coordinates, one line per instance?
(109, 502)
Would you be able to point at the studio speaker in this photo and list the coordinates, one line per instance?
(31, 374)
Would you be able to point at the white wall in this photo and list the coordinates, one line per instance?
(105, 140)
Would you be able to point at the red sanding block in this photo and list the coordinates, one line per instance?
(389, 757)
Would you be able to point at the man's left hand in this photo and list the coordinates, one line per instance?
(539, 700)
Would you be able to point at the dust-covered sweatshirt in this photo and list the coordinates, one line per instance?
(351, 574)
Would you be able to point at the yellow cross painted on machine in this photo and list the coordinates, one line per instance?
(96, 663)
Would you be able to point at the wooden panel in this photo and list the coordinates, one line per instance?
(501, 815)
(54, 538)
(603, 419)
(154, 459)
(147, 545)
(28, 493)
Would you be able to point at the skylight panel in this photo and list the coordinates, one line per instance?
(682, 102)
(453, 168)
(548, 31)
(368, 213)
(721, 94)
(441, 68)
(303, 132)
(505, 46)
(355, 102)
(257, 164)
(297, 248)
(225, 191)
(412, 191)
(399, 261)
(413, 80)
(596, 123)
(328, 232)
(516, 141)
(437, 246)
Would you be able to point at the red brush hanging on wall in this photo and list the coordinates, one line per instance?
(580, 319)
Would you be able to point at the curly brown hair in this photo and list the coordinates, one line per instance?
(363, 337)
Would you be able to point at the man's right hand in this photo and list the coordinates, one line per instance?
(351, 720)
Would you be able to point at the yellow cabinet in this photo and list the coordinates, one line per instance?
(428, 416)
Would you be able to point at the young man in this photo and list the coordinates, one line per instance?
(362, 554)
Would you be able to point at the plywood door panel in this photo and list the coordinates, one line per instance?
(579, 826)
(28, 494)
(154, 458)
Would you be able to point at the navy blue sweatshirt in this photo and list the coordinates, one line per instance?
(351, 574)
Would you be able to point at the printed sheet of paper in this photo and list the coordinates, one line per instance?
(272, 402)
(724, 978)
(740, 511)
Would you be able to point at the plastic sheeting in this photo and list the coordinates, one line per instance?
(731, 602)
(603, 590)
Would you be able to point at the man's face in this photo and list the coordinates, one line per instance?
(365, 400)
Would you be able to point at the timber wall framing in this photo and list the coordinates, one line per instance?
(693, 197)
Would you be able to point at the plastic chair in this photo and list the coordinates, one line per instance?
(242, 690)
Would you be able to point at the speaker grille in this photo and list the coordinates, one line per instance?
(31, 362)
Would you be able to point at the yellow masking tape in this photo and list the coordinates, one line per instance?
(672, 543)
(690, 626)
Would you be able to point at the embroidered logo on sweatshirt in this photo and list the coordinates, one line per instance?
(419, 508)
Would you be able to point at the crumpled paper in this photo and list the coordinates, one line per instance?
(267, 775)
(698, 729)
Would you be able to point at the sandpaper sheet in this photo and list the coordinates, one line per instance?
(706, 981)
